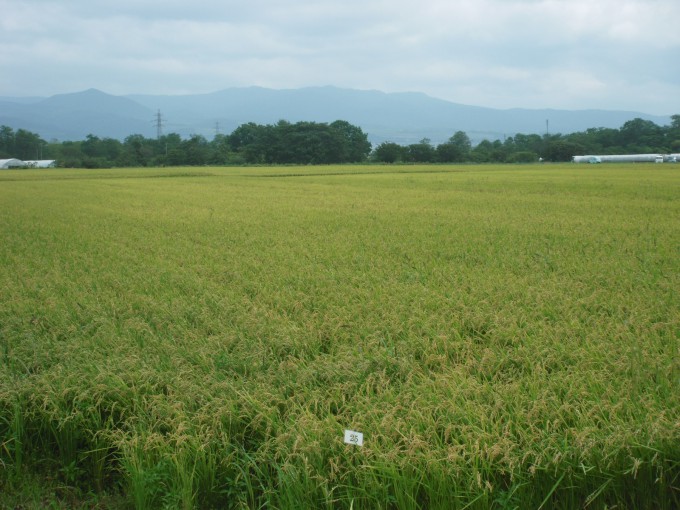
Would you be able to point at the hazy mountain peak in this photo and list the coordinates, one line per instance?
(403, 117)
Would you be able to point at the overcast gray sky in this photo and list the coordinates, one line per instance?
(573, 54)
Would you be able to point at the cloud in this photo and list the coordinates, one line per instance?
(503, 53)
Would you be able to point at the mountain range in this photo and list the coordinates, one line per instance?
(398, 117)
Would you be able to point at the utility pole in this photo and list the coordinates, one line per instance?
(547, 127)
(159, 124)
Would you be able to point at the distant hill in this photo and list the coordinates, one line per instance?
(399, 117)
(74, 116)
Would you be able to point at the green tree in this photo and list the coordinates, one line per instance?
(522, 157)
(673, 134)
(299, 143)
(6, 142)
(99, 153)
(528, 143)
(111, 149)
(388, 152)
(314, 143)
(221, 150)
(355, 142)
(91, 146)
(137, 151)
(249, 141)
(481, 153)
(421, 152)
(70, 155)
(168, 151)
(561, 150)
(27, 145)
(639, 135)
(456, 149)
(195, 150)
(499, 152)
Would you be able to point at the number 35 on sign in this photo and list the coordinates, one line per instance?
(354, 437)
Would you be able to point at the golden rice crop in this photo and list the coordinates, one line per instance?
(504, 337)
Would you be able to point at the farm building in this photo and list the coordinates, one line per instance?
(41, 163)
(11, 163)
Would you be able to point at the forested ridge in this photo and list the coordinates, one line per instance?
(333, 143)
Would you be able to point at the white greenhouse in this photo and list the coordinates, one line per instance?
(620, 158)
(11, 163)
(41, 163)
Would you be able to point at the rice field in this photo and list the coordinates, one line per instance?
(502, 336)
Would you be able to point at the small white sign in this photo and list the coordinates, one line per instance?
(354, 437)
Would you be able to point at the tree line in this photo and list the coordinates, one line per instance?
(304, 143)
(338, 142)
(637, 136)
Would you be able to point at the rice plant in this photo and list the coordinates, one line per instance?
(504, 337)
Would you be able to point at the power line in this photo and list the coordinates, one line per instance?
(158, 121)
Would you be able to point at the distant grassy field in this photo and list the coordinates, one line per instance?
(504, 337)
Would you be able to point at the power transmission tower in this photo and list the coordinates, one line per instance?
(158, 121)
(217, 128)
